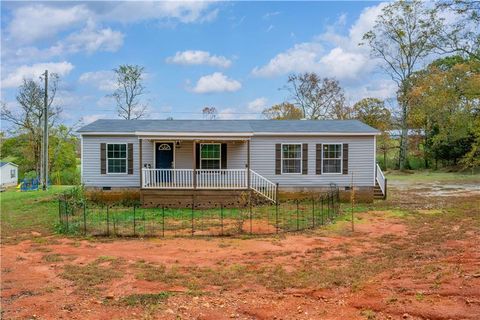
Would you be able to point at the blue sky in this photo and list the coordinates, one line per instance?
(235, 56)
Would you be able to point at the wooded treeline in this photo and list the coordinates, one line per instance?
(435, 118)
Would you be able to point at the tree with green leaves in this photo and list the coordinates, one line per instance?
(283, 111)
(373, 112)
(129, 91)
(445, 105)
(28, 120)
(401, 39)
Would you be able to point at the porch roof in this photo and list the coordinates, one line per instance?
(227, 127)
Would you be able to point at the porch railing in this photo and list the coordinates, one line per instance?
(167, 178)
(229, 179)
(222, 179)
(381, 180)
(263, 186)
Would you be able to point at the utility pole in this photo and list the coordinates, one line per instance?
(45, 134)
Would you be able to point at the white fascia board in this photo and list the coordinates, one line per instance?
(228, 134)
(316, 134)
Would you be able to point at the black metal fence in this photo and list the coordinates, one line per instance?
(87, 218)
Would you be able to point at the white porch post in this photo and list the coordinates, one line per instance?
(248, 164)
(194, 157)
(140, 171)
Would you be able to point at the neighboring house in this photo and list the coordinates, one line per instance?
(9, 174)
(171, 158)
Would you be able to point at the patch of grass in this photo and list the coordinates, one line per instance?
(145, 299)
(368, 314)
(23, 212)
(419, 296)
(86, 278)
(54, 257)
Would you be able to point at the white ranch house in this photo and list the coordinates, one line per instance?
(266, 156)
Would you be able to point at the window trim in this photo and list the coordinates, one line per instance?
(301, 157)
(341, 158)
(126, 159)
(219, 159)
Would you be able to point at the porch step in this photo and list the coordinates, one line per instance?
(377, 192)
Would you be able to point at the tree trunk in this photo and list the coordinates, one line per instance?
(404, 137)
(385, 158)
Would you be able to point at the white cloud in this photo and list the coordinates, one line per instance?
(216, 82)
(93, 117)
(268, 15)
(346, 60)
(91, 39)
(343, 64)
(258, 104)
(302, 57)
(104, 80)
(36, 22)
(198, 57)
(181, 11)
(235, 114)
(15, 78)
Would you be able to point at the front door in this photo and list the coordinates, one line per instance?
(164, 155)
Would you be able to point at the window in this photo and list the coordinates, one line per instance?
(210, 156)
(332, 158)
(117, 158)
(12, 173)
(291, 158)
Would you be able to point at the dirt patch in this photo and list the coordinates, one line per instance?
(405, 260)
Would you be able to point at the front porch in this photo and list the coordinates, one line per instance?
(200, 164)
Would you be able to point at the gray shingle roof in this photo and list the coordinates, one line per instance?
(2, 163)
(229, 126)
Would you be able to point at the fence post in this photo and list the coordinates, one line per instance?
(193, 212)
(250, 210)
(60, 211)
(276, 216)
(66, 213)
(221, 216)
(134, 221)
(313, 212)
(108, 222)
(298, 221)
(163, 221)
(84, 218)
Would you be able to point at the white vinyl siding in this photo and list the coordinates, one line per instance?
(91, 175)
(361, 152)
(262, 154)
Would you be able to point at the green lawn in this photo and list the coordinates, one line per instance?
(24, 212)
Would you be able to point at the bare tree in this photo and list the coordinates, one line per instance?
(209, 113)
(129, 91)
(401, 37)
(317, 98)
(29, 118)
(283, 111)
(462, 36)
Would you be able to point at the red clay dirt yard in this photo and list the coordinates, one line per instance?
(415, 256)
